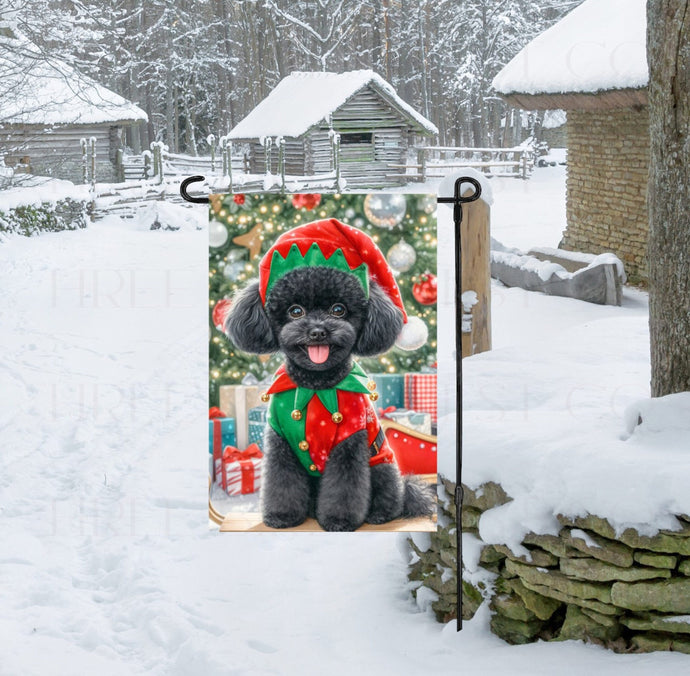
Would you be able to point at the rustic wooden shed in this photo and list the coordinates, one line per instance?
(47, 107)
(593, 64)
(375, 127)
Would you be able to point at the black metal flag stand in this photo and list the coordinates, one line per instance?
(457, 200)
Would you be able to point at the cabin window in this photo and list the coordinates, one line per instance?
(356, 147)
(356, 139)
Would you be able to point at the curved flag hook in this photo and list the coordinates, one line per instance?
(186, 196)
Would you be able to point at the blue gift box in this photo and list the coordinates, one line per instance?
(227, 431)
(257, 425)
(391, 389)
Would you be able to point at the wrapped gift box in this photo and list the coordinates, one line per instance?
(420, 393)
(221, 433)
(237, 401)
(257, 425)
(391, 389)
(419, 421)
(240, 471)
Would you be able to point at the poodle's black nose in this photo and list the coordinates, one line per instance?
(318, 333)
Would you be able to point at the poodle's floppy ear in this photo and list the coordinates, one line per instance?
(247, 324)
(381, 326)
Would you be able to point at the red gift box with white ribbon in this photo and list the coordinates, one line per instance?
(239, 472)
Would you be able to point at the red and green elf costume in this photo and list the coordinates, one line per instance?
(313, 422)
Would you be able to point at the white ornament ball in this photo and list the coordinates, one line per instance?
(217, 234)
(385, 210)
(414, 334)
(427, 204)
(401, 256)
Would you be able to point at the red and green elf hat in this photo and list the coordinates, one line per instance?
(329, 243)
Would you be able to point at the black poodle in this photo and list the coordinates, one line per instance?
(318, 317)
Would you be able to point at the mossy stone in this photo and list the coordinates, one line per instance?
(666, 596)
(605, 549)
(512, 606)
(484, 497)
(604, 608)
(656, 560)
(542, 606)
(539, 557)
(647, 643)
(580, 626)
(556, 580)
(515, 631)
(600, 571)
(653, 621)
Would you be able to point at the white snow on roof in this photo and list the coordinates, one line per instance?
(38, 89)
(304, 99)
(600, 45)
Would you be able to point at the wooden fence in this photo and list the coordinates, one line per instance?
(432, 162)
(438, 161)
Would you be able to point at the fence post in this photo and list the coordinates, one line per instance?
(223, 141)
(227, 153)
(476, 277)
(84, 161)
(268, 142)
(120, 165)
(211, 139)
(524, 164)
(421, 160)
(335, 145)
(281, 162)
(92, 148)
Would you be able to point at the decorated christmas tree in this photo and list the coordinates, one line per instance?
(243, 227)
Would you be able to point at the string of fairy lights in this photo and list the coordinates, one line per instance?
(243, 227)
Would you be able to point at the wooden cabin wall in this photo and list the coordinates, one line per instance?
(57, 152)
(294, 158)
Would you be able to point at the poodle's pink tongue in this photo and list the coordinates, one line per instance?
(318, 353)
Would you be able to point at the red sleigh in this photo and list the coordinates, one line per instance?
(414, 451)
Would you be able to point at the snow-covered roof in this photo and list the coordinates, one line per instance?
(599, 46)
(303, 99)
(36, 88)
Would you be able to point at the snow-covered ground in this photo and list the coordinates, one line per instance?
(107, 565)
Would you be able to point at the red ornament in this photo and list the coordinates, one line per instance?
(306, 201)
(239, 199)
(220, 312)
(425, 291)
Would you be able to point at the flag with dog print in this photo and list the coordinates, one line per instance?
(322, 362)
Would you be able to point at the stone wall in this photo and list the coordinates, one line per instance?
(628, 592)
(608, 159)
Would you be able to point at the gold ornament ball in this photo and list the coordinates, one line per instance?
(303, 445)
(296, 414)
(337, 417)
(374, 396)
(265, 397)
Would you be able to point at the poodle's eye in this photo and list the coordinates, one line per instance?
(338, 310)
(295, 312)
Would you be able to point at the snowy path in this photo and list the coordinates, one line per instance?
(106, 563)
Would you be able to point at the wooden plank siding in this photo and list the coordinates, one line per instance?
(57, 152)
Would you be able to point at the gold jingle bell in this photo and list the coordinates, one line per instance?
(303, 445)
(312, 467)
(373, 396)
(337, 417)
(296, 414)
(371, 385)
(265, 397)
